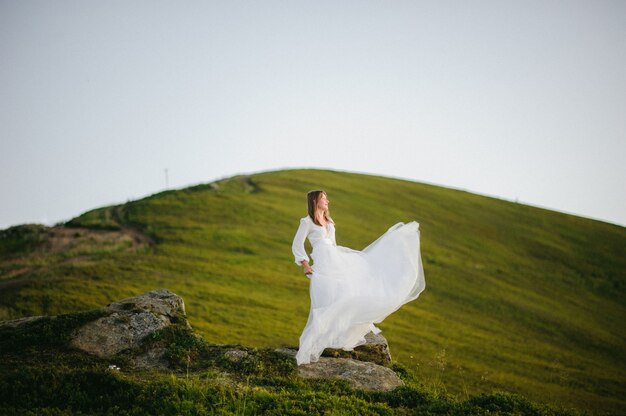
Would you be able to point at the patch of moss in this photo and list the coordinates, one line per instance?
(45, 332)
(185, 350)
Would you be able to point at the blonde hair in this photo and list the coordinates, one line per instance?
(313, 198)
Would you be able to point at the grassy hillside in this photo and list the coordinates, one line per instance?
(200, 379)
(518, 298)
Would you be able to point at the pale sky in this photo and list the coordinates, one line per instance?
(523, 100)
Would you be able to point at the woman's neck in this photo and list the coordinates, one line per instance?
(321, 218)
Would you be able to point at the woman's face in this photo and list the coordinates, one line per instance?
(323, 203)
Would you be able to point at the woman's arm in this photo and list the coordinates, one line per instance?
(297, 247)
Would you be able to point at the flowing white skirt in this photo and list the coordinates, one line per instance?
(352, 290)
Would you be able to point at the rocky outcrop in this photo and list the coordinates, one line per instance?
(126, 323)
(131, 328)
(375, 350)
(366, 367)
(360, 374)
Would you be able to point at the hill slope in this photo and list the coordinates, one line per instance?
(142, 354)
(518, 298)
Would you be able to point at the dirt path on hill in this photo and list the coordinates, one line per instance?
(78, 242)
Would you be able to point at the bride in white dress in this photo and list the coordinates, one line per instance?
(352, 290)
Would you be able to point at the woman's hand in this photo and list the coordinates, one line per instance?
(307, 269)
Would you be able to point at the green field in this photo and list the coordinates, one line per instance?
(518, 299)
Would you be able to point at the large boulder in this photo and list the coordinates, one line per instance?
(126, 323)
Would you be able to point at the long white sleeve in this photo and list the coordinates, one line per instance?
(298, 242)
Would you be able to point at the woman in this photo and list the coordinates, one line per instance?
(352, 290)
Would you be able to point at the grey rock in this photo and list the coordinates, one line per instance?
(360, 374)
(127, 322)
(160, 302)
(375, 350)
(235, 355)
(288, 351)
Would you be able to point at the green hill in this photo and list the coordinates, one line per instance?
(518, 298)
(173, 371)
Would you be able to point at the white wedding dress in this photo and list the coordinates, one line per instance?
(352, 290)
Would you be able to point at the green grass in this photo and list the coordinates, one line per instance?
(518, 299)
(41, 375)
